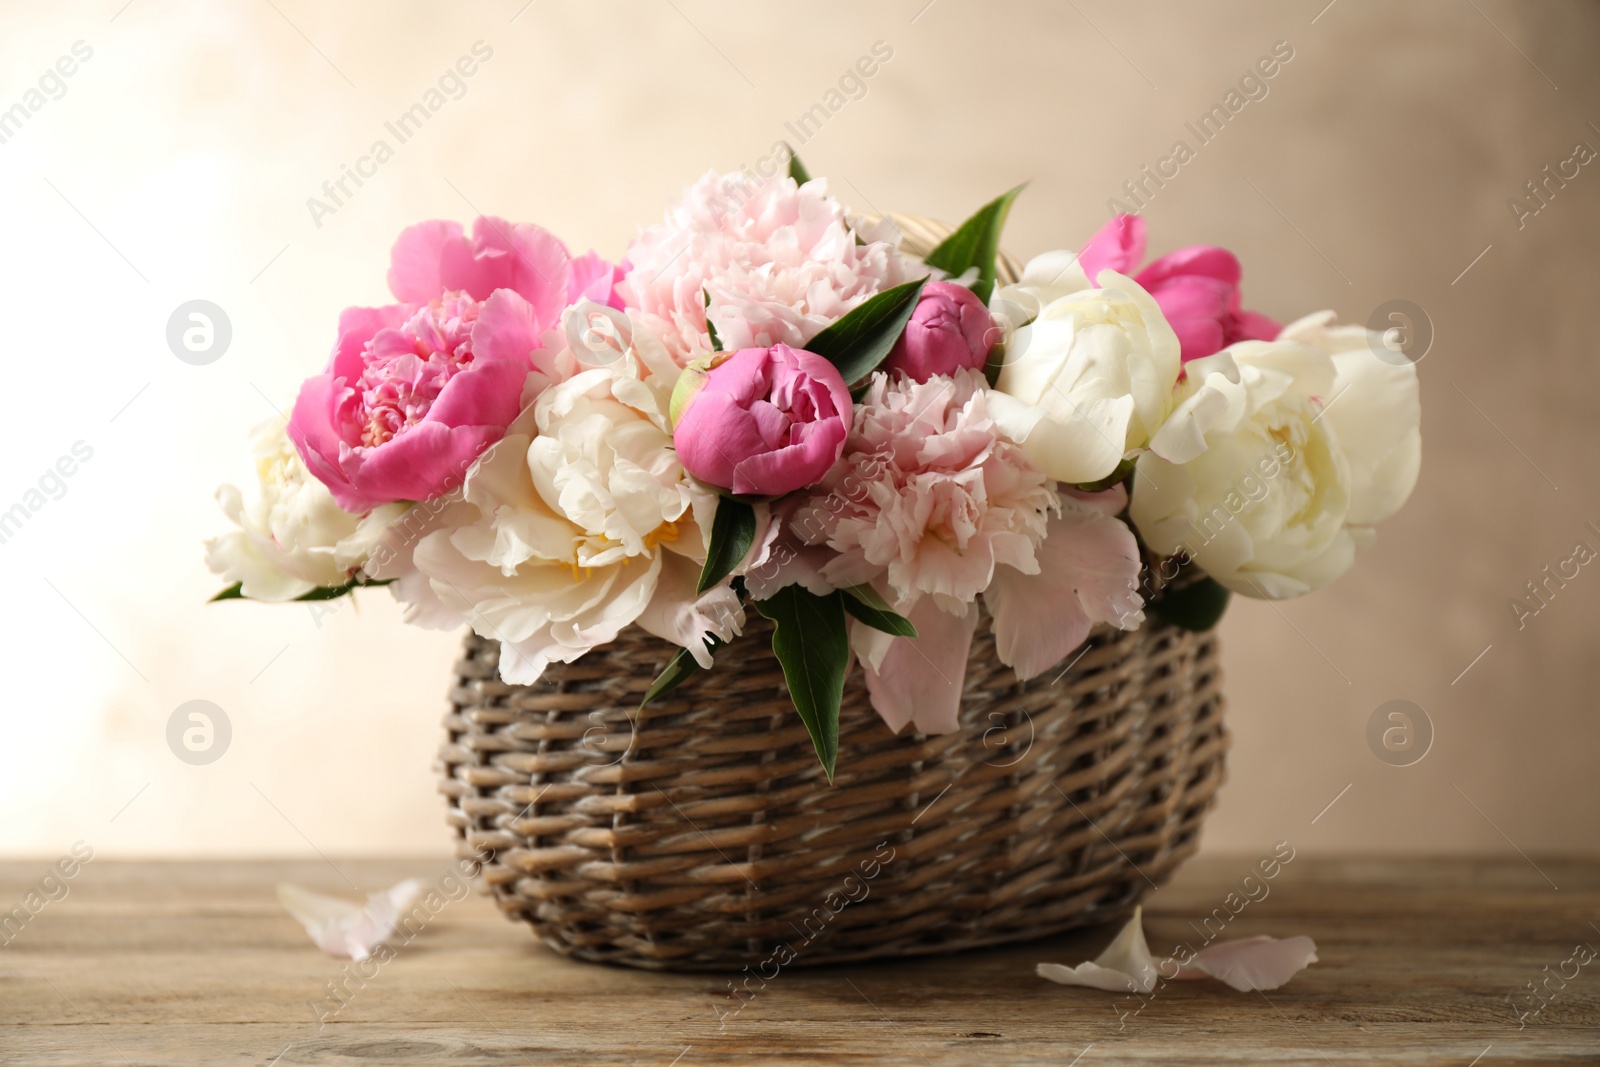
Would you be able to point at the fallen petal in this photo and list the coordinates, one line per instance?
(344, 928)
(1252, 963)
(1126, 965)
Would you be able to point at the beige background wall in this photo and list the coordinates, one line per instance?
(178, 163)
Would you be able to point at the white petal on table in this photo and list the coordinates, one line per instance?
(1246, 964)
(345, 928)
(1126, 965)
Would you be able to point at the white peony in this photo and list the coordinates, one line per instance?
(577, 524)
(1280, 457)
(1088, 372)
(292, 536)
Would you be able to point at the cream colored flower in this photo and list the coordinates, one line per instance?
(1088, 373)
(578, 524)
(292, 536)
(1279, 458)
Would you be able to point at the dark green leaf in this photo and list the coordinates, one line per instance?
(733, 531)
(976, 243)
(1124, 469)
(859, 341)
(1196, 607)
(865, 604)
(678, 669)
(711, 327)
(321, 592)
(813, 648)
(797, 169)
(334, 592)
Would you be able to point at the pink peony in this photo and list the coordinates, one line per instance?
(932, 506)
(436, 257)
(949, 330)
(779, 262)
(930, 495)
(1197, 287)
(595, 279)
(415, 391)
(762, 421)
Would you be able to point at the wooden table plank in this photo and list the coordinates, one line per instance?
(149, 963)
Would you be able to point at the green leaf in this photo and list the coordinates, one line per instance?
(334, 592)
(859, 341)
(976, 243)
(733, 531)
(797, 169)
(1196, 607)
(866, 605)
(813, 648)
(1124, 469)
(711, 327)
(676, 672)
(321, 592)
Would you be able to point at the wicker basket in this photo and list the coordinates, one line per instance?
(702, 834)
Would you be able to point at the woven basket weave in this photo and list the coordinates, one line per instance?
(706, 835)
(702, 834)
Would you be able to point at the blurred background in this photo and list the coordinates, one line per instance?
(1378, 171)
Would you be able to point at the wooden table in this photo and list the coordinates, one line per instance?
(196, 963)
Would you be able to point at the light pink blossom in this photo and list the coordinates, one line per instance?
(778, 261)
(932, 506)
(931, 496)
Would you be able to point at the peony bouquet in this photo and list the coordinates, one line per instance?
(770, 405)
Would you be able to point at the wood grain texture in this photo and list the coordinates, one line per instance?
(161, 963)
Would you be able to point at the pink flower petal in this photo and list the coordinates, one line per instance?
(415, 259)
(1088, 573)
(1253, 326)
(504, 255)
(920, 679)
(1196, 306)
(416, 464)
(343, 928)
(595, 279)
(1207, 261)
(1252, 963)
(1118, 246)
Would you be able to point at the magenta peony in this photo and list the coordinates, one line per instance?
(415, 391)
(1196, 287)
(762, 421)
(950, 330)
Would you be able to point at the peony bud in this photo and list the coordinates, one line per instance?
(761, 421)
(949, 329)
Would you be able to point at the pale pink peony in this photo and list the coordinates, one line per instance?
(1196, 287)
(933, 498)
(415, 391)
(932, 506)
(779, 261)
